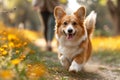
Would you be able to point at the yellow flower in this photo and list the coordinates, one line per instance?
(17, 51)
(36, 70)
(1, 49)
(4, 46)
(18, 45)
(4, 33)
(22, 57)
(25, 43)
(6, 74)
(15, 61)
(12, 37)
(4, 53)
(3, 38)
(106, 43)
(11, 44)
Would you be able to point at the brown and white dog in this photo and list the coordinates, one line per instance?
(73, 34)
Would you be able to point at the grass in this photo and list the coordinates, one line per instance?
(57, 72)
(20, 59)
(108, 57)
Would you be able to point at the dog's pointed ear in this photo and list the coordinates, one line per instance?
(80, 13)
(59, 13)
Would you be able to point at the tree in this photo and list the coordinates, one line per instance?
(24, 13)
(104, 24)
(115, 14)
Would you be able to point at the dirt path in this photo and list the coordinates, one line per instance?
(106, 72)
(94, 70)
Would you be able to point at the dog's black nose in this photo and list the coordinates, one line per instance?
(70, 30)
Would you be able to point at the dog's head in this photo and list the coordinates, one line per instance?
(70, 26)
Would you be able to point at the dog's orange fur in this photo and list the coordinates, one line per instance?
(80, 41)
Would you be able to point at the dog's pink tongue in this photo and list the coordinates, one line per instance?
(69, 36)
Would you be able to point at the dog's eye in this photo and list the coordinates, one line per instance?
(74, 23)
(65, 23)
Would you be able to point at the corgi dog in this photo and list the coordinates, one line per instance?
(73, 35)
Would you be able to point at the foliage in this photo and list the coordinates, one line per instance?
(24, 13)
(103, 2)
(103, 16)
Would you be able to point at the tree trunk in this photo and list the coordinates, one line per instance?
(115, 14)
(118, 11)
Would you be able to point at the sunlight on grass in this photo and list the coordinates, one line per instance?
(31, 35)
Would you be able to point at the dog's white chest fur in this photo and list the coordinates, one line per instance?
(69, 52)
(68, 48)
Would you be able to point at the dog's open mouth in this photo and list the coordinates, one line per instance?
(69, 36)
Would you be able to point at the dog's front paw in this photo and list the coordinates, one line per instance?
(65, 62)
(75, 67)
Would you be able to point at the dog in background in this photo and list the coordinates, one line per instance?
(73, 34)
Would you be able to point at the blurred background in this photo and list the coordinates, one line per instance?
(23, 54)
(108, 13)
